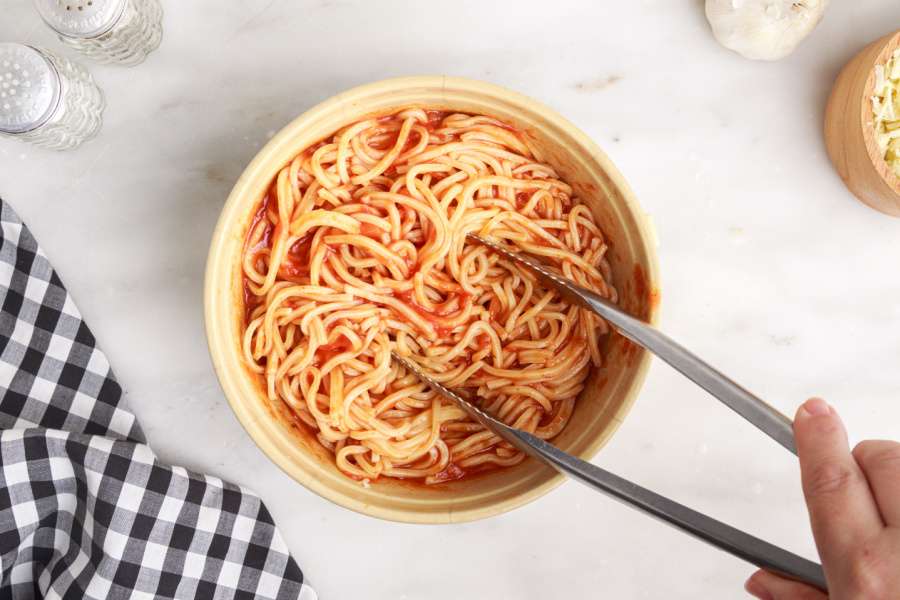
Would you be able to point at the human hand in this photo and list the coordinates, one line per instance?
(854, 507)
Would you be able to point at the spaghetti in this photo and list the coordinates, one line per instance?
(359, 248)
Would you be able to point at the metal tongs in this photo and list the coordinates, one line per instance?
(770, 421)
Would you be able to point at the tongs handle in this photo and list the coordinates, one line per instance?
(721, 535)
(725, 537)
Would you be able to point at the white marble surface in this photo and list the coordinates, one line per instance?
(770, 268)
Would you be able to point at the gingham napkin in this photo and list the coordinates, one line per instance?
(86, 509)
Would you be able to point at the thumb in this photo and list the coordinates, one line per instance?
(767, 586)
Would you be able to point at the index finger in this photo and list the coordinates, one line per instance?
(842, 510)
(880, 461)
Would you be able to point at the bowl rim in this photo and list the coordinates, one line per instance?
(218, 344)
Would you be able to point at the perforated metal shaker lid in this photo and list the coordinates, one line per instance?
(29, 88)
(80, 18)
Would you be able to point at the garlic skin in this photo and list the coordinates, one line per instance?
(763, 29)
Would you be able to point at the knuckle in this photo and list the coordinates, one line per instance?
(829, 478)
(869, 574)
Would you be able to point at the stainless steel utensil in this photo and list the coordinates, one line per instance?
(770, 421)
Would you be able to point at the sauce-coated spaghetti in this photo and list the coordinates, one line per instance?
(359, 248)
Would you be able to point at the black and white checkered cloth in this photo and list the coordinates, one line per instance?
(86, 510)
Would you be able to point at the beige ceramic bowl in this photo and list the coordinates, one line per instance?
(610, 391)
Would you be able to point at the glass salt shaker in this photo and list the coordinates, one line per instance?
(46, 99)
(120, 31)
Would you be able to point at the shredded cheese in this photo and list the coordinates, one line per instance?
(886, 110)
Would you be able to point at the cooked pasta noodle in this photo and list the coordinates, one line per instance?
(359, 248)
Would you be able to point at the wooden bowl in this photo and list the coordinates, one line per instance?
(610, 391)
(850, 130)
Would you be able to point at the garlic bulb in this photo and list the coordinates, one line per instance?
(763, 29)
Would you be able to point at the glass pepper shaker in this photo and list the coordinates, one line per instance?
(120, 31)
(47, 99)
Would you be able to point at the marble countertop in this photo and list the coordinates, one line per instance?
(771, 269)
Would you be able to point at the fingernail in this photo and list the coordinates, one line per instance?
(755, 589)
(816, 407)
